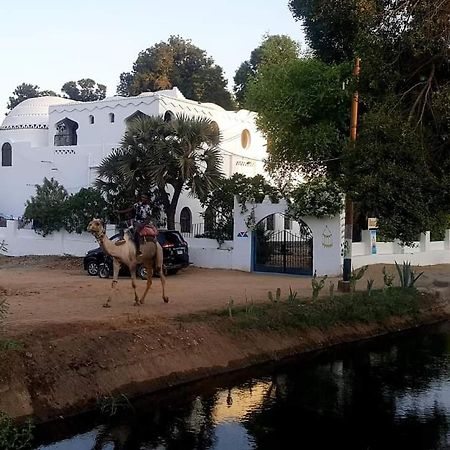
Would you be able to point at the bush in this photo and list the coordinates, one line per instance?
(14, 437)
(47, 209)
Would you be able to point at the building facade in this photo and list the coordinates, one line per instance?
(58, 138)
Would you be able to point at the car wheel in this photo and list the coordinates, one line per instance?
(141, 272)
(92, 268)
(103, 271)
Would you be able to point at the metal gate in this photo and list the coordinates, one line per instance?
(283, 251)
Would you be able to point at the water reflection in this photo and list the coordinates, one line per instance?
(389, 394)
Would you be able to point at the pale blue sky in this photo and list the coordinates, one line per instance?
(49, 42)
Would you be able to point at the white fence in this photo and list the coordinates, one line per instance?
(237, 254)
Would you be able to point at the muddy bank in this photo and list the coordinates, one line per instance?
(65, 368)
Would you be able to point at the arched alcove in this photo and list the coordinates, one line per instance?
(66, 133)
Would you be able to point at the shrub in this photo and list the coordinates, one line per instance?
(14, 437)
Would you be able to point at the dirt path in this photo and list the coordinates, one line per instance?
(56, 290)
(75, 352)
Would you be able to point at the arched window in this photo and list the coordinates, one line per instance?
(216, 130)
(185, 220)
(287, 223)
(66, 133)
(6, 154)
(111, 117)
(169, 116)
(91, 119)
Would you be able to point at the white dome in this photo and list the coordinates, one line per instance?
(31, 113)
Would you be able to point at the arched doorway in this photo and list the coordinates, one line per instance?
(282, 246)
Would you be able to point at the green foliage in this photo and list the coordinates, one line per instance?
(14, 437)
(179, 63)
(219, 202)
(318, 197)
(25, 91)
(407, 275)
(405, 195)
(292, 297)
(317, 285)
(82, 207)
(304, 112)
(344, 309)
(47, 208)
(356, 275)
(388, 279)
(84, 90)
(183, 154)
(273, 50)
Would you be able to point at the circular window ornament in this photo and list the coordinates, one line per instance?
(245, 139)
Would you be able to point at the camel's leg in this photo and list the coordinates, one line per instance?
(149, 269)
(132, 268)
(159, 265)
(116, 267)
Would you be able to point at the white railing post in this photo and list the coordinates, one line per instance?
(447, 240)
(425, 240)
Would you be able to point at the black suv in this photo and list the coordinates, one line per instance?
(175, 253)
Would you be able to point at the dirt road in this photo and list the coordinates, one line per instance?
(44, 290)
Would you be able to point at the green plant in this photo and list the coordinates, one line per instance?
(110, 405)
(356, 275)
(317, 285)
(14, 437)
(292, 297)
(230, 307)
(275, 299)
(407, 275)
(388, 279)
(370, 286)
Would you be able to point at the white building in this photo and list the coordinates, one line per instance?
(58, 138)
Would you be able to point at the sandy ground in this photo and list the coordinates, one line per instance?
(51, 290)
(73, 351)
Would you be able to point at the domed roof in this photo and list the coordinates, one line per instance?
(32, 113)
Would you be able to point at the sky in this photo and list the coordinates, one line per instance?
(49, 42)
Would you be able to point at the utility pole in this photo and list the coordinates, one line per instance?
(344, 285)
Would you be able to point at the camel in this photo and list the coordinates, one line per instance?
(151, 259)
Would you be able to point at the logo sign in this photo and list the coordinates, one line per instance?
(372, 223)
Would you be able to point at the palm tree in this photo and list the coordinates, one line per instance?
(171, 157)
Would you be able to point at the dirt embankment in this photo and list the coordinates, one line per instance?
(75, 352)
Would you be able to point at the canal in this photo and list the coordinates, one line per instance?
(386, 393)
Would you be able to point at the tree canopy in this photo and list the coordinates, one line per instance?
(273, 50)
(404, 90)
(84, 90)
(179, 63)
(25, 91)
(167, 157)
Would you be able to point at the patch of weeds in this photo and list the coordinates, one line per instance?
(292, 297)
(345, 309)
(15, 437)
(110, 405)
(10, 345)
(407, 276)
(277, 297)
(388, 279)
(356, 275)
(370, 286)
(317, 285)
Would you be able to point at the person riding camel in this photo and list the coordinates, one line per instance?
(142, 218)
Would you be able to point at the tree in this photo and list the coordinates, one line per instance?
(304, 112)
(47, 209)
(404, 46)
(273, 50)
(219, 202)
(179, 63)
(82, 207)
(169, 157)
(84, 90)
(25, 91)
